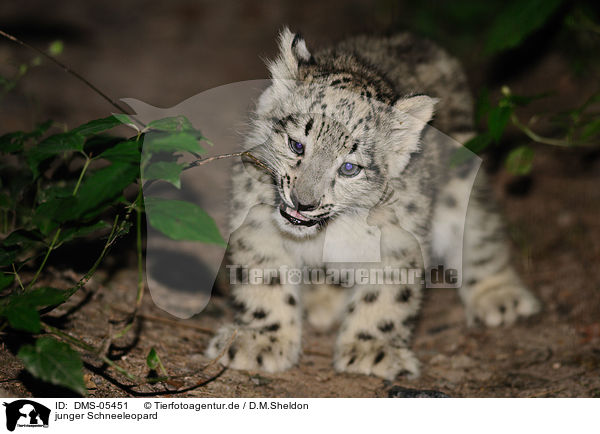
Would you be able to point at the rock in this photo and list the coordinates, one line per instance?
(461, 361)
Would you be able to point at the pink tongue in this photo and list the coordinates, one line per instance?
(295, 214)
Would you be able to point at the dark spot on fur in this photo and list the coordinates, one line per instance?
(502, 309)
(298, 163)
(259, 360)
(403, 373)
(351, 308)
(248, 185)
(239, 306)
(271, 327)
(308, 127)
(386, 326)
(291, 300)
(231, 352)
(273, 339)
(259, 314)
(450, 201)
(404, 295)
(411, 207)
(379, 357)
(370, 297)
(364, 336)
(352, 360)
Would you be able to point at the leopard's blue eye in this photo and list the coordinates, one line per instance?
(349, 169)
(296, 147)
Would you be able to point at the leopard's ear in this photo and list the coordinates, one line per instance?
(418, 107)
(292, 53)
(410, 115)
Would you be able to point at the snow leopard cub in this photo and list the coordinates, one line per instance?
(339, 136)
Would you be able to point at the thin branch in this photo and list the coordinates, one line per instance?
(92, 350)
(16, 273)
(43, 264)
(155, 318)
(66, 69)
(540, 139)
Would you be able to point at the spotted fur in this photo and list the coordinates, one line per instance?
(366, 102)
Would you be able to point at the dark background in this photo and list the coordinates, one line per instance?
(165, 52)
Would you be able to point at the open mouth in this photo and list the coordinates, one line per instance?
(295, 218)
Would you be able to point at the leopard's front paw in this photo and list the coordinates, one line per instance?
(376, 357)
(256, 349)
(496, 306)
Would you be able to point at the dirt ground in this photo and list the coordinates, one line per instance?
(553, 217)
(556, 353)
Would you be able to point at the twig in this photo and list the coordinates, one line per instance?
(539, 139)
(66, 69)
(202, 161)
(92, 350)
(544, 393)
(222, 353)
(17, 277)
(317, 353)
(168, 321)
(43, 264)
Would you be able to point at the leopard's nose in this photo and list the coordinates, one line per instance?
(301, 206)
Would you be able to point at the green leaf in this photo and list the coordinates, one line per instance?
(54, 362)
(42, 297)
(22, 316)
(152, 360)
(166, 170)
(95, 193)
(55, 48)
(126, 120)
(23, 238)
(517, 21)
(6, 279)
(97, 126)
(171, 124)
(497, 120)
(22, 309)
(7, 255)
(519, 161)
(81, 231)
(181, 220)
(53, 145)
(474, 146)
(591, 129)
(177, 142)
(124, 152)
(102, 186)
(14, 142)
(479, 143)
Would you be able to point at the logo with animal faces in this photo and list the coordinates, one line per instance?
(25, 413)
(181, 273)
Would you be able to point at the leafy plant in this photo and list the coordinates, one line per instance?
(44, 205)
